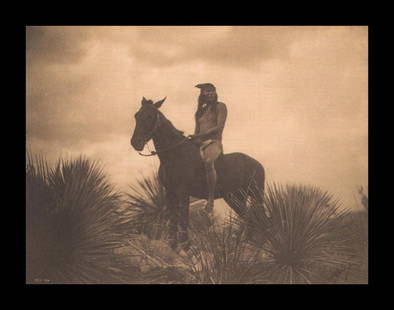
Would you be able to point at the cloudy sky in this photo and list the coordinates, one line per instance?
(297, 97)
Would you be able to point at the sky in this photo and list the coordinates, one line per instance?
(297, 97)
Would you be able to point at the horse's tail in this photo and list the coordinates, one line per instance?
(256, 184)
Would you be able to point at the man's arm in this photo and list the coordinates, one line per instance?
(221, 120)
(197, 129)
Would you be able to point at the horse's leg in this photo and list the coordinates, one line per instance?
(183, 237)
(173, 208)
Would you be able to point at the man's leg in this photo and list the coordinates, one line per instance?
(211, 181)
(209, 154)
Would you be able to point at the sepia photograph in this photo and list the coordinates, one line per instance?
(197, 155)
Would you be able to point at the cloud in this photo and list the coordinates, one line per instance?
(55, 81)
(232, 46)
(65, 45)
(53, 100)
(68, 87)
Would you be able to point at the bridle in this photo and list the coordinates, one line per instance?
(153, 153)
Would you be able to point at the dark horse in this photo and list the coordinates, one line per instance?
(182, 172)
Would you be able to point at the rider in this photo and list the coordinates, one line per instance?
(210, 118)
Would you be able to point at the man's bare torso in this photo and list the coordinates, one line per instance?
(208, 120)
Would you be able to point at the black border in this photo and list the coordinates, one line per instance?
(19, 76)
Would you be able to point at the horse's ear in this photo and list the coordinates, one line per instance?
(146, 101)
(160, 102)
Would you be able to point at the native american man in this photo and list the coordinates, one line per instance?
(210, 118)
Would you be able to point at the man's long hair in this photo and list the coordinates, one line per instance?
(201, 101)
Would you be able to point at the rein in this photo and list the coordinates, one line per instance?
(153, 153)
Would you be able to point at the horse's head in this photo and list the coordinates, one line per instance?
(146, 122)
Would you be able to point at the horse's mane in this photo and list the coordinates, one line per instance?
(171, 126)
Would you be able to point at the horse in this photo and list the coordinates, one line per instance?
(182, 173)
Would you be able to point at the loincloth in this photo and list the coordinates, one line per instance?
(210, 150)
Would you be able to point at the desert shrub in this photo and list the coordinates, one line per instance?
(70, 221)
(220, 255)
(363, 197)
(300, 231)
(157, 262)
(299, 234)
(145, 209)
(356, 228)
(198, 219)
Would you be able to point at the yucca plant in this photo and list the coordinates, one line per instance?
(199, 220)
(159, 264)
(363, 198)
(71, 223)
(145, 209)
(220, 255)
(300, 231)
(357, 229)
